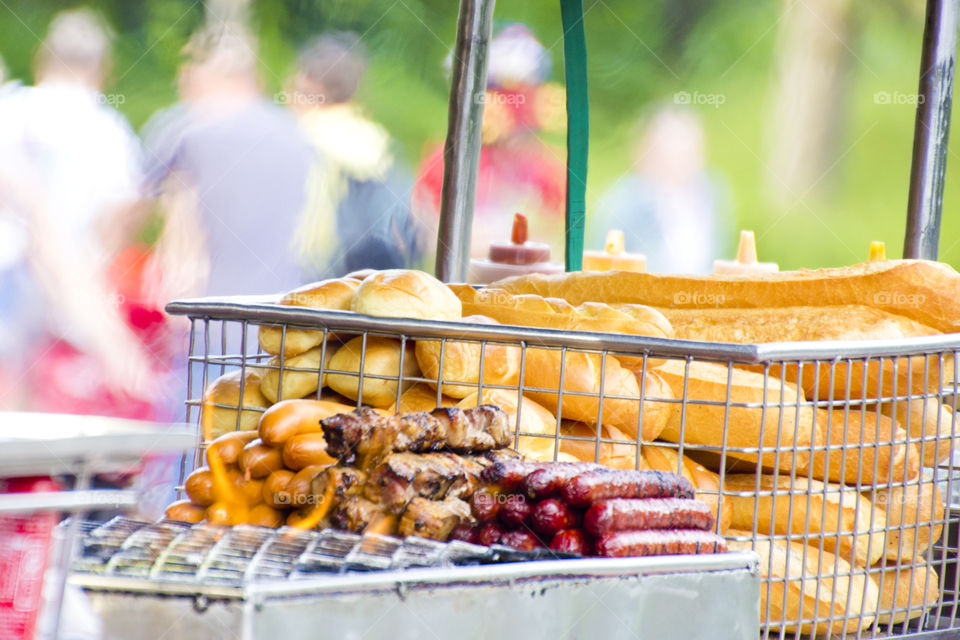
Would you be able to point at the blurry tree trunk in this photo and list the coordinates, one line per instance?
(808, 102)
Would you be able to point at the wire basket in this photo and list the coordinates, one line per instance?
(831, 460)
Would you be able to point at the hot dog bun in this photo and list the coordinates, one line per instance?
(326, 294)
(301, 374)
(928, 419)
(382, 358)
(534, 419)
(405, 293)
(221, 402)
(706, 482)
(915, 518)
(616, 455)
(420, 397)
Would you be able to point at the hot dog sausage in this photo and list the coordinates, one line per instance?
(587, 488)
(292, 417)
(185, 511)
(547, 481)
(229, 445)
(265, 516)
(551, 516)
(658, 542)
(275, 491)
(299, 487)
(515, 511)
(621, 514)
(257, 460)
(571, 541)
(520, 539)
(304, 450)
(510, 474)
(199, 487)
(485, 505)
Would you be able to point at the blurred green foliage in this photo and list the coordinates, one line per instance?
(640, 54)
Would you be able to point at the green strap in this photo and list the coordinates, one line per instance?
(578, 128)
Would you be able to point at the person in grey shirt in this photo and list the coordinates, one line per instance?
(233, 168)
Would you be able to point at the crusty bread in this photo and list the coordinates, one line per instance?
(534, 419)
(802, 582)
(706, 482)
(793, 428)
(581, 373)
(296, 384)
(914, 514)
(906, 591)
(382, 358)
(461, 363)
(844, 520)
(862, 447)
(405, 293)
(225, 390)
(616, 455)
(420, 397)
(326, 294)
(928, 292)
(927, 419)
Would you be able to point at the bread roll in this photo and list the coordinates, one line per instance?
(461, 363)
(906, 592)
(534, 419)
(914, 518)
(382, 358)
(848, 523)
(706, 482)
(793, 428)
(326, 294)
(420, 397)
(404, 293)
(617, 455)
(924, 291)
(928, 419)
(858, 442)
(793, 591)
(301, 374)
(582, 374)
(221, 402)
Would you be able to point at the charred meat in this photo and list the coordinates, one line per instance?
(434, 519)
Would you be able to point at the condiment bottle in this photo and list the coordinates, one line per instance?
(517, 257)
(746, 262)
(614, 257)
(878, 251)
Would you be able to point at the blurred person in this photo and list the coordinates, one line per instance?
(358, 213)
(231, 168)
(669, 206)
(518, 171)
(69, 163)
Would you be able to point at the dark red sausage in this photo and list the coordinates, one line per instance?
(485, 505)
(587, 488)
(520, 539)
(552, 515)
(466, 533)
(509, 475)
(571, 541)
(547, 482)
(625, 514)
(490, 534)
(659, 542)
(515, 511)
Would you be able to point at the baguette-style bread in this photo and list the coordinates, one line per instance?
(805, 583)
(616, 455)
(706, 482)
(326, 294)
(845, 521)
(534, 419)
(582, 373)
(928, 419)
(420, 397)
(793, 428)
(382, 358)
(914, 518)
(405, 293)
(296, 384)
(225, 390)
(863, 447)
(461, 363)
(906, 592)
(925, 291)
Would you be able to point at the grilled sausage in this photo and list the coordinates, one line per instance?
(520, 539)
(264, 515)
(257, 460)
(509, 475)
(275, 491)
(658, 542)
(251, 489)
(621, 514)
(551, 516)
(229, 445)
(571, 541)
(547, 482)
(485, 504)
(226, 514)
(466, 533)
(185, 511)
(301, 494)
(304, 450)
(587, 488)
(515, 511)
(490, 534)
(288, 418)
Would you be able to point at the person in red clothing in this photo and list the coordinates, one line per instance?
(518, 170)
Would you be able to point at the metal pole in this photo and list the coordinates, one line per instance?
(461, 151)
(932, 129)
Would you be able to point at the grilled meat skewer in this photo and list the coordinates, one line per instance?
(404, 476)
(434, 519)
